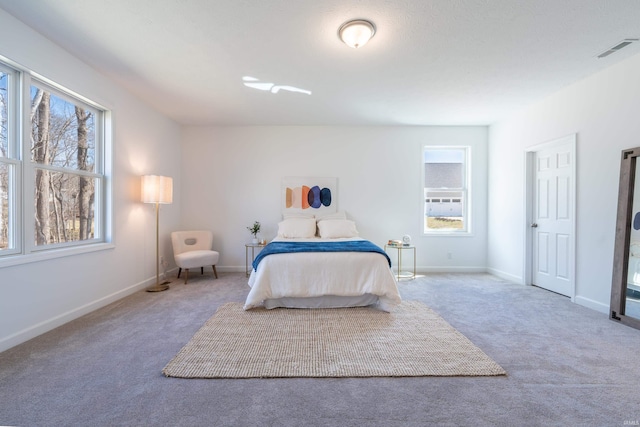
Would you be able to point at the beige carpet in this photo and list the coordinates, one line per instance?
(343, 342)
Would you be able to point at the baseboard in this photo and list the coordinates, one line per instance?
(448, 269)
(420, 270)
(47, 325)
(505, 276)
(594, 305)
(231, 268)
(219, 268)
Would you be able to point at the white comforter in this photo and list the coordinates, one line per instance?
(315, 274)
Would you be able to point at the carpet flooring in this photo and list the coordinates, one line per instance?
(567, 365)
(347, 342)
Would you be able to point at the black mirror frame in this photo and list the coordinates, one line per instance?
(623, 237)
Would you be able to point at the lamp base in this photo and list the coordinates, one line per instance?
(159, 287)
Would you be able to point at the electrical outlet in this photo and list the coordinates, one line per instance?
(161, 260)
(449, 255)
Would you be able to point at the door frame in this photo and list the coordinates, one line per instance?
(529, 193)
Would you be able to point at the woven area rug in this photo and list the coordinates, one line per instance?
(342, 342)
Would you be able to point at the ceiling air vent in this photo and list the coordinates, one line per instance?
(623, 43)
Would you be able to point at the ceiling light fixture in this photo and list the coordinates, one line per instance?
(356, 33)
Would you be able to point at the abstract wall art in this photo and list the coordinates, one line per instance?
(309, 195)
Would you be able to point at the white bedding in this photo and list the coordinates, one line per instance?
(282, 277)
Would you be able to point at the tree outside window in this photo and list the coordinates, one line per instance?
(6, 166)
(63, 150)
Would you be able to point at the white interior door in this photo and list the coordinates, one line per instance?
(553, 217)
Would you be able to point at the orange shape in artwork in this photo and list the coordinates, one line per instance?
(305, 197)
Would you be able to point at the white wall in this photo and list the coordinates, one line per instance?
(231, 176)
(38, 296)
(603, 111)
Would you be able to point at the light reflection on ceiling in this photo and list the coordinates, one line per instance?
(255, 83)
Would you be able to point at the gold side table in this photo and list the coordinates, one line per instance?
(247, 263)
(404, 274)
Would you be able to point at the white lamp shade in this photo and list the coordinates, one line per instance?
(356, 33)
(157, 189)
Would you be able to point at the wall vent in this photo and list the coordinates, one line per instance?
(617, 47)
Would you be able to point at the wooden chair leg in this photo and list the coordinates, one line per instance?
(186, 275)
(214, 271)
(179, 271)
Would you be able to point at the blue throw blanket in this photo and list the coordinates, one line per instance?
(290, 247)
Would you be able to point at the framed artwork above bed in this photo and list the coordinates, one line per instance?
(309, 195)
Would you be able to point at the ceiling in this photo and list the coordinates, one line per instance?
(431, 62)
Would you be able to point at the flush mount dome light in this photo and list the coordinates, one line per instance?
(356, 33)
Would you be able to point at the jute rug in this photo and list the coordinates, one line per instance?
(343, 342)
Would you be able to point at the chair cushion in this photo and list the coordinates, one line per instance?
(185, 241)
(193, 259)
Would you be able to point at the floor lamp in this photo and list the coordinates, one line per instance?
(159, 190)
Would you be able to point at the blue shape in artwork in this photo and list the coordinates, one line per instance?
(636, 221)
(325, 197)
(314, 197)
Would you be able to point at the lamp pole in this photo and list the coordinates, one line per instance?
(158, 286)
(157, 190)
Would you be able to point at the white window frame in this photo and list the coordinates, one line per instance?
(13, 160)
(22, 229)
(466, 192)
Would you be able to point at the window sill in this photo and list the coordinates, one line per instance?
(19, 259)
(448, 234)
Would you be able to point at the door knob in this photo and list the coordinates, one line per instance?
(534, 225)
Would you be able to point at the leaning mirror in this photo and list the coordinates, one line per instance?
(625, 287)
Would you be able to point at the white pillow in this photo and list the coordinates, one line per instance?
(335, 228)
(295, 228)
(335, 215)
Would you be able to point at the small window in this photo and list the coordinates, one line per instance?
(446, 189)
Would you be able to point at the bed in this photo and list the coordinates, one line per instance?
(322, 264)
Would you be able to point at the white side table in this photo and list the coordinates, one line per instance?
(404, 274)
(247, 262)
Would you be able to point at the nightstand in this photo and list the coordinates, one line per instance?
(247, 262)
(404, 274)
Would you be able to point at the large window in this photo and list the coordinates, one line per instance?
(52, 167)
(446, 189)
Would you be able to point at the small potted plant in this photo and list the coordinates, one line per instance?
(254, 230)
